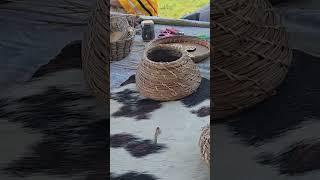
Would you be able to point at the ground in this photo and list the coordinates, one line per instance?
(178, 8)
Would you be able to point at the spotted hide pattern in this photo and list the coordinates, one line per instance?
(52, 128)
(133, 122)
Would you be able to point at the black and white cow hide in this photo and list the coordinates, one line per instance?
(133, 122)
(52, 128)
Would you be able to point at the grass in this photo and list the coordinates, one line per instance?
(179, 8)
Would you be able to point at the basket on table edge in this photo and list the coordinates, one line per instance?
(204, 144)
(121, 48)
(251, 54)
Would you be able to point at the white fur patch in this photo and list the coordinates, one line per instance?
(180, 132)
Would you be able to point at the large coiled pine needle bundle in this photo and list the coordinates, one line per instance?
(251, 54)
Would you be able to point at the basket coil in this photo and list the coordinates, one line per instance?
(204, 144)
(121, 48)
(132, 19)
(180, 40)
(95, 54)
(167, 73)
(251, 54)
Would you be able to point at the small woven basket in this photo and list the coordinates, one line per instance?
(121, 47)
(95, 54)
(251, 54)
(119, 28)
(202, 45)
(204, 143)
(132, 19)
(167, 73)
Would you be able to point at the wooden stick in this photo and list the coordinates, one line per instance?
(176, 22)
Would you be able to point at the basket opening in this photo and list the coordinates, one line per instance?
(191, 48)
(164, 55)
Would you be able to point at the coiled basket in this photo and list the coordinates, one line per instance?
(95, 51)
(251, 54)
(167, 73)
(204, 143)
(132, 19)
(121, 47)
(202, 47)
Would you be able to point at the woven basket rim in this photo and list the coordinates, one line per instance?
(131, 18)
(177, 36)
(185, 38)
(130, 36)
(117, 19)
(181, 36)
(171, 63)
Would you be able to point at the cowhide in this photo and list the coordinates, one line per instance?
(134, 155)
(52, 128)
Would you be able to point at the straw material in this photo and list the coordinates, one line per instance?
(120, 47)
(202, 47)
(132, 19)
(204, 143)
(167, 73)
(251, 54)
(119, 28)
(95, 54)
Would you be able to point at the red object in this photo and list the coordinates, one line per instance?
(167, 32)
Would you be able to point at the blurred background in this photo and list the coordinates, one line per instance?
(179, 8)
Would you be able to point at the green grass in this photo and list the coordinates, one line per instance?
(178, 8)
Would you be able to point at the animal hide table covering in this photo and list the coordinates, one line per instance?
(133, 124)
(52, 128)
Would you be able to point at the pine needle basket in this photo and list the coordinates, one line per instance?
(121, 48)
(131, 18)
(251, 54)
(95, 51)
(202, 45)
(167, 73)
(204, 144)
